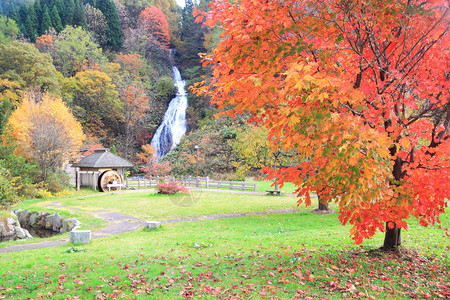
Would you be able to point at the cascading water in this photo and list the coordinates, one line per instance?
(173, 126)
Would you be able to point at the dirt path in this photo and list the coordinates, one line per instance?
(121, 223)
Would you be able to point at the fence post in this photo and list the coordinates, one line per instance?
(126, 182)
(254, 187)
(207, 182)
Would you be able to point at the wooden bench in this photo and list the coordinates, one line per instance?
(274, 192)
(112, 185)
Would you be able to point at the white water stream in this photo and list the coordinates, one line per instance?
(173, 126)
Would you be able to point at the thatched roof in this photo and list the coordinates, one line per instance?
(102, 158)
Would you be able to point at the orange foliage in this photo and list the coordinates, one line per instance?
(359, 89)
(44, 42)
(154, 22)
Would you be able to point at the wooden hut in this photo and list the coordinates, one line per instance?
(102, 170)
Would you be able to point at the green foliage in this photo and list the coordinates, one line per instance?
(56, 19)
(216, 157)
(114, 33)
(56, 182)
(79, 18)
(6, 109)
(165, 88)
(74, 50)
(7, 192)
(96, 105)
(22, 62)
(46, 21)
(8, 29)
(21, 173)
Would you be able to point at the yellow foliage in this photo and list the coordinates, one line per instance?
(48, 119)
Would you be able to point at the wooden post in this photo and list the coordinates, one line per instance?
(77, 178)
(207, 182)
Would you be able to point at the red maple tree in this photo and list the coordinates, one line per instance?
(154, 22)
(360, 89)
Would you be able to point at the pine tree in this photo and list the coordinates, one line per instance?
(62, 12)
(79, 17)
(56, 19)
(114, 32)
(30, 32)
(46, 21)
(31, 24)
(69, 11)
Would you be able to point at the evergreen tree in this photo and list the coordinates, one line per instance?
(79, 17)
(192, 37)
(46, 21)
(30, 31)
(38, 11)
(114, 32)
(69, 12)
(62, 12)
(56, 19)
(23, 14)
(15, 15)
(31, 24)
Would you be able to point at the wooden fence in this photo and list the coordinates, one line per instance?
(188, 181)
(208, 183)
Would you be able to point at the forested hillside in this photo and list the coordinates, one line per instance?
(107, 63)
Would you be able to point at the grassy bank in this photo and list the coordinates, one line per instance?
(274, 256)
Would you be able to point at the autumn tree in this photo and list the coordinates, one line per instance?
(133, 97)
(154, 22)
(22, 63)
(46, 132)
(73, 50)
(96, 104)
(96, 24)
(358, 87)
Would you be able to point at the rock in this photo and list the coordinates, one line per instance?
(32, 219)
(23, 216)
(80, 236)
(20, 233)
(49, 222)
(10, 223)
(27, 234)
(13, 214)
(69, 224)
(40, 220)
(57, 223)
(152, 224)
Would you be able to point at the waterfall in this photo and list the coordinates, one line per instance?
(173, 126)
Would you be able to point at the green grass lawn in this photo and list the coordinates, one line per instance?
(286, 256)
(150, 205)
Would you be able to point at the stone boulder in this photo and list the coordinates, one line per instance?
(69, 224)
(57, 223)
(23, 216)
(49, 222)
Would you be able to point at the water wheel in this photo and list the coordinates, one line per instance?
(109, 177)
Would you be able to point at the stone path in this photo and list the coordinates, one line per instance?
(122, 223)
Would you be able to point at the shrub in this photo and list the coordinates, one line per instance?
(7, 192)
(170, 188)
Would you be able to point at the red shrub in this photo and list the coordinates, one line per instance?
(170, 188)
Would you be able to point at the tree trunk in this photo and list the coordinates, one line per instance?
(392, 238)
(322, 206)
